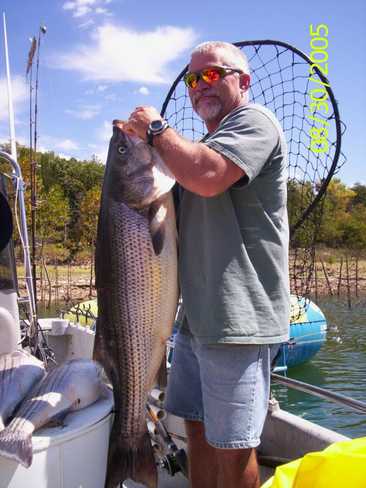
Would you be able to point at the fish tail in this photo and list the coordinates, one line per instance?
(134, 460)
(16, 445)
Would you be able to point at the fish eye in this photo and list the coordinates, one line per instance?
(122, 149)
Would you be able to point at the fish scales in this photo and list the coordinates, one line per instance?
(19, 372)
(71, 386)
(135, 304)
(136, 281)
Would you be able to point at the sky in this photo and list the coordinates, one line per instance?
(99, 59)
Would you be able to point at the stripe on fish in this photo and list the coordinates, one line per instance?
(137, 289)
(19, 372)
(71, 386)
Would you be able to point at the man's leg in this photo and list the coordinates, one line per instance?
(210, 467)
(237, 468)
(235, 390)
(201, 457)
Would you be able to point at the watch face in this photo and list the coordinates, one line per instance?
(156, 125)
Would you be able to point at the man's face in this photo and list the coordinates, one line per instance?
(213, 102)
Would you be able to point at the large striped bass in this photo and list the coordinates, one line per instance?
(71, 386)
(19, 372)
(137, 289)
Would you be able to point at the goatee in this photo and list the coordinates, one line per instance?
(208, 111)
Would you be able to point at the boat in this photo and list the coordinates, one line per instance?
(307, 329)
(76, 454)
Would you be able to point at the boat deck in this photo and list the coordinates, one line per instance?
(179, 481)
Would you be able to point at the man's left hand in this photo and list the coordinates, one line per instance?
(140, 119)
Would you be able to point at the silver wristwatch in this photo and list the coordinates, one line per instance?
(155, 128)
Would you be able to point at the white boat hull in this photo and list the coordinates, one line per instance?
(69, 456)
(76, 455)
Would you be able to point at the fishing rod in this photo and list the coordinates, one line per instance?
(36, 343)
(33, 139)
(176, 459)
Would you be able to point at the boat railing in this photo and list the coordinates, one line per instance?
(19, 189)
(317, 391)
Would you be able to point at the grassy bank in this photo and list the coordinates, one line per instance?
(335, 272)
(61, 283)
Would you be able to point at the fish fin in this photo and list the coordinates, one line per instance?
(16, 445)
(158, 241)
(162, 376)
(58, 420)
(99, 352)
(98, 342)
(128, 459)
(156, 216)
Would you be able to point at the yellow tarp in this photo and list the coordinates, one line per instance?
(341, 465)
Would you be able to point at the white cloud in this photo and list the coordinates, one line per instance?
(5, 139)
(51, 143)
(102, 88)
(65, 156)
(111, 97)
(86, 24)
(117, 53)
(84, 113)
(144, 90)
(102, 138)
(67, 145)
(20, 95)
(105, 132)
(80, 8)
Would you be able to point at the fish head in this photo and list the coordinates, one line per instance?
(138, 176)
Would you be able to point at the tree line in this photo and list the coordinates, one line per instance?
(339, 220)
(68, 194)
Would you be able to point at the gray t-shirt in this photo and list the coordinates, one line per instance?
(233, 257)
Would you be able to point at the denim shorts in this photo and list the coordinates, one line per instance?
(225, 386)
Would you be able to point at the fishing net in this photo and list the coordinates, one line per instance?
(281, 80)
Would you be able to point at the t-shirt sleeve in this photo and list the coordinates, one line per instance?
(248, 138)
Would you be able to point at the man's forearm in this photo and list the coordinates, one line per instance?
(195, 166)
(189, 162)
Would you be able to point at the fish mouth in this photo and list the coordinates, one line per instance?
(118, 135)
(118, 123)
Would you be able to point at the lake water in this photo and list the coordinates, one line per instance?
(339, 366)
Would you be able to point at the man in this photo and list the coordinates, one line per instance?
(233, 263)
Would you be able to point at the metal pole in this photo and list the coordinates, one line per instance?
(24, 234)
(10, 96)
(320, 392)
(42, 30)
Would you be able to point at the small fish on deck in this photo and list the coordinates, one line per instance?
(19, 372)
(71, 386)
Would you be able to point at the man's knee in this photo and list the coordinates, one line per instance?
(228, 458)
(194, 428)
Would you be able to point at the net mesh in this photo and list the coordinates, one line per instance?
(281, 81)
